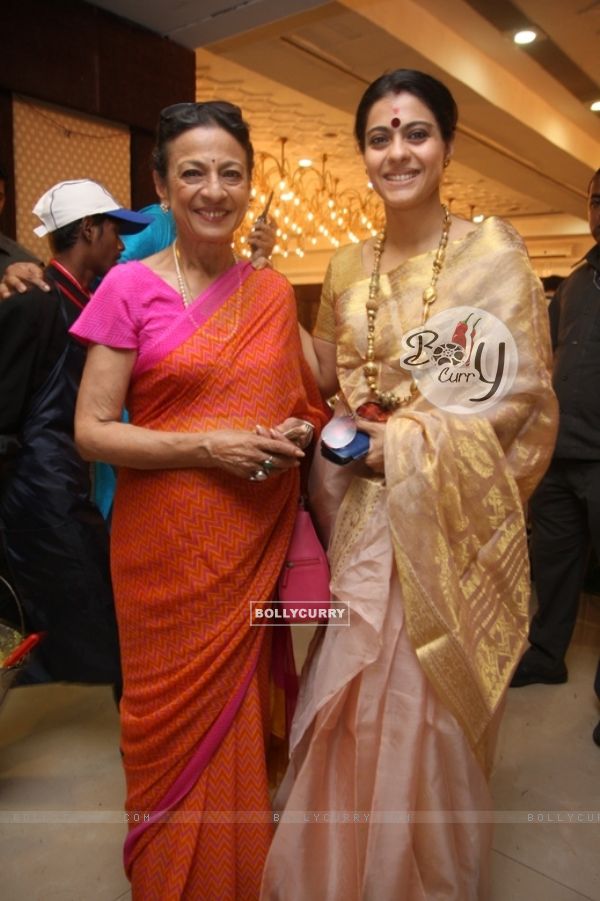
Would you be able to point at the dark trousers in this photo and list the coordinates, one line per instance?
(565, 523)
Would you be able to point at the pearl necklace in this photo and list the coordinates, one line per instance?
(387, 399)
(184, 290)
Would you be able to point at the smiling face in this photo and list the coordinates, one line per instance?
(594, 208)
(404, 151)
(207, 184)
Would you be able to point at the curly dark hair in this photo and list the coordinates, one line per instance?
(180, 117)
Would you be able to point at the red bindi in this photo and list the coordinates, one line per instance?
(395, 123)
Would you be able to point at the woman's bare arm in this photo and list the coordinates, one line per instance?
(320, 356)
(100, 435)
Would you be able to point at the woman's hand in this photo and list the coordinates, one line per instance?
(299, 431)
(244, 454)
(100, 435)
(376, 432)
(262, 239)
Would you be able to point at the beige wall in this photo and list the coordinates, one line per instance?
(51, 145)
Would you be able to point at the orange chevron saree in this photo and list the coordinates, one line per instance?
(191, 549)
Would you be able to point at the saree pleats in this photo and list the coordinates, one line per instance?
(192, 549)
(376, 749)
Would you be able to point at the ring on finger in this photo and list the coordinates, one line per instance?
(259, 476)
(268, 465)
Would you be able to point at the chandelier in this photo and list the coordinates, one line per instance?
(310, 209)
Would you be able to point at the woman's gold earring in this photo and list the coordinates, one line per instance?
(164, 206)
(446, 162)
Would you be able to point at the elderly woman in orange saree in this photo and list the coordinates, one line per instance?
(205, 353)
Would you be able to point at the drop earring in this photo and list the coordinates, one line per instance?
(164, 206)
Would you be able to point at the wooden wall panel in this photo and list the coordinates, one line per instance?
(8, 219)
(139, 73)
(142, 184)
(48, 52)
(77, 56)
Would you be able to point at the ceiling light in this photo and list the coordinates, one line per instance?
(308, 202)
(526, 36)
(595, 106)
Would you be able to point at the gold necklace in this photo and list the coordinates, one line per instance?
(184, 290)
(387, 399)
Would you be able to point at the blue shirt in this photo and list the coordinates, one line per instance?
(156, 236)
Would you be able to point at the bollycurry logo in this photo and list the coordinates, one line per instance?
(463, 360)
(303, 613)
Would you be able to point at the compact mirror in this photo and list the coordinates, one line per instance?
(339, 431)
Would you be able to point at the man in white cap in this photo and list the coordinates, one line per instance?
(54, 538)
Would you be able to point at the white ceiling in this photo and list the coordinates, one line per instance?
(526, 146)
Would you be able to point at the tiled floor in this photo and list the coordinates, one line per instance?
(59, 760)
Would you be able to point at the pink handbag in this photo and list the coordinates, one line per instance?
(303, 585)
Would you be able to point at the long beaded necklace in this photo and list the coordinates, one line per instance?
(184, 290)
(388, 399)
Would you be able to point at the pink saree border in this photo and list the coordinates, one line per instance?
(195, 766)
(194, 316)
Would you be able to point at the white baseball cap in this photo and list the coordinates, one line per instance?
(69, 201)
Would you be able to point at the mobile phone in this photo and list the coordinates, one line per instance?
(262, 217)
(358, 448)
(299, 433)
